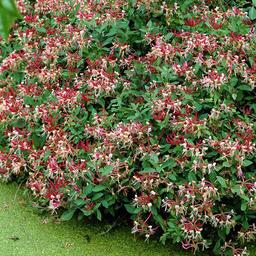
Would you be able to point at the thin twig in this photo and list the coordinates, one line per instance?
(14, 199)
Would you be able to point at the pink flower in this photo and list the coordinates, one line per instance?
(192, 22)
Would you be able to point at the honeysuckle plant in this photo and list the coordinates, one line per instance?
(146, 107)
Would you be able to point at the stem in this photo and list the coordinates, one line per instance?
(149, 216)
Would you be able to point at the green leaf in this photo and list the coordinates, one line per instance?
(236, 189)
(172, 177)
(105, 204)
(108, 41)
(98, 188)
(10, 7)
(38, 141)
(131, 209)
(217, 247)
(222, 181)
(41, 29)
(254, 2)
(67, 215)
(6, 22)
(247, 163)
(245, 87)
(191, 176)
(243, 206)
(227, 230)
(153, 159)
(233, 81)
(87, 213)
(198, 106)
(148, 169)
(46, 155)
(97, 196)
(168, 36)
(98, 214)
(106, 170)
(80, 202)
(226, 164)
(8, 14)
(170, 164)
(244, 221)
(20, 123)
(87, 190)
(29, 101)
(252, 13)
(246, 198)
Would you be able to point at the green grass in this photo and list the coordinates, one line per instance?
(25, 233)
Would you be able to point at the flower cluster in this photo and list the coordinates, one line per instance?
(141, 106)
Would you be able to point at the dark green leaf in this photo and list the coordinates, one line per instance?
(252, 13)
(247, 163)
(98, 188)
(106, 170)
(97, 196)
(67, 215)
(222, 181)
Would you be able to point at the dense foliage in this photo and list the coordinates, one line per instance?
(140, 106)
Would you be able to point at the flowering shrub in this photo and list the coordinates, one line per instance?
(143, 106)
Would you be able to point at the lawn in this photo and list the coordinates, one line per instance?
(25, 233)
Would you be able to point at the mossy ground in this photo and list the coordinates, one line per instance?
(25, 233)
